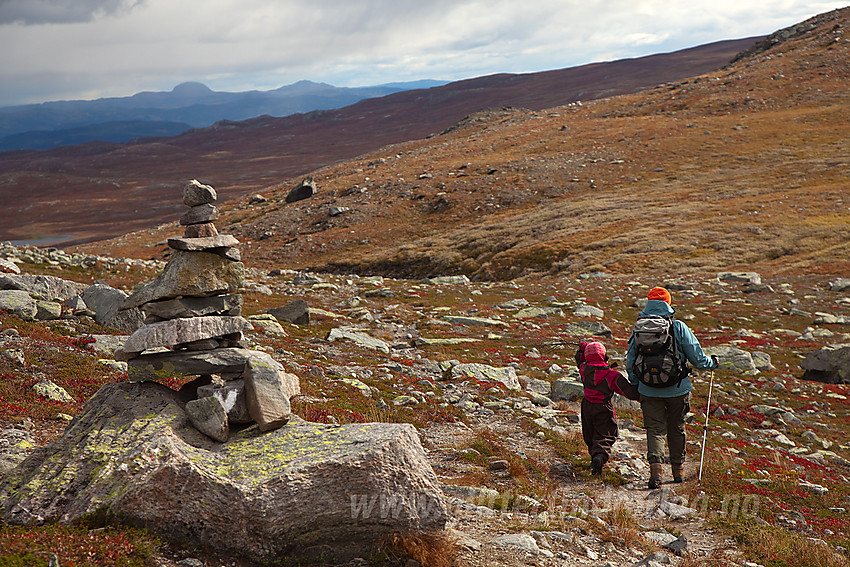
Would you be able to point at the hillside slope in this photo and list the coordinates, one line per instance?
(98, 190)
(746, 167)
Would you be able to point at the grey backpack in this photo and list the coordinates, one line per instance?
(658, 362)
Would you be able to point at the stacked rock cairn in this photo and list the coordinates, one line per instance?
(193, 327)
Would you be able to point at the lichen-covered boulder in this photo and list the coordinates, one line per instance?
(304, 490)
(18, 303)
(484, 373)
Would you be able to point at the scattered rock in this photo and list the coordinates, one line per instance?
(506, 376)
(813, 488)
(740, 277)
(584, 329)
(522, 541)
(268, 323)
(304, 190)
(296, 312)
(462, 320)
(48, 310)
(7, 267)
(830, 364)
(659, 538)
(538, 313)
(588, 311)
(15, 446)
(567, 389)
(49, 288)
(358, 338)
(49, 390)
(734, 359)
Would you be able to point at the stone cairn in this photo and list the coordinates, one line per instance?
(193, 327)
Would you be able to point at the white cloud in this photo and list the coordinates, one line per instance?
(51, 49)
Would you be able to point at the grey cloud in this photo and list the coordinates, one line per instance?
(60, 11)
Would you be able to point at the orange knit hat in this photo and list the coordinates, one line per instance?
(659, 294)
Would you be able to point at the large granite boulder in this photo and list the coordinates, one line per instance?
(830, 364)
(305, 490)
(194, 274)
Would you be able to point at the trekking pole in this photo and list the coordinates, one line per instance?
(705, 427)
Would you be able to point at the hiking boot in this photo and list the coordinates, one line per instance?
(678, 473)
(596, 464)
(655, 472)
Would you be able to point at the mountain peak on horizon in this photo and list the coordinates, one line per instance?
(191, 88)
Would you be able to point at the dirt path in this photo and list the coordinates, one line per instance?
(586, 522)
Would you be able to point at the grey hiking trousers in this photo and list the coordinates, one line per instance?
(664, 418)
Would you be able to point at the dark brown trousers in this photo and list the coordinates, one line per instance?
(598, 427)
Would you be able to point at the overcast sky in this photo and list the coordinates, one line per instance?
(83, 49)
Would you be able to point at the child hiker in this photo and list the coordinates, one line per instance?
(598, 421)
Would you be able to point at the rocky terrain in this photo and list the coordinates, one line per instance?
(480, 369)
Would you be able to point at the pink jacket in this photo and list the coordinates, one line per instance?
(606, 382)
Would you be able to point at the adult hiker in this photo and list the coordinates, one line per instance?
(598, 420)
(657, 358)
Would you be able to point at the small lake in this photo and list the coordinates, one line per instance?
(44, 241)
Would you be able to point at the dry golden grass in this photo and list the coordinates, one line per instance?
(429, 549)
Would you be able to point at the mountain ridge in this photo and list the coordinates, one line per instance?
(27, 127)
(109, 189)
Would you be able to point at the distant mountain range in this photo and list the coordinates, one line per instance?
(188, 105)
(98, 190)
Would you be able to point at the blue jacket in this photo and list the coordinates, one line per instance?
(688, 347)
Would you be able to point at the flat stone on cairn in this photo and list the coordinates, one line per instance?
(193, 324)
